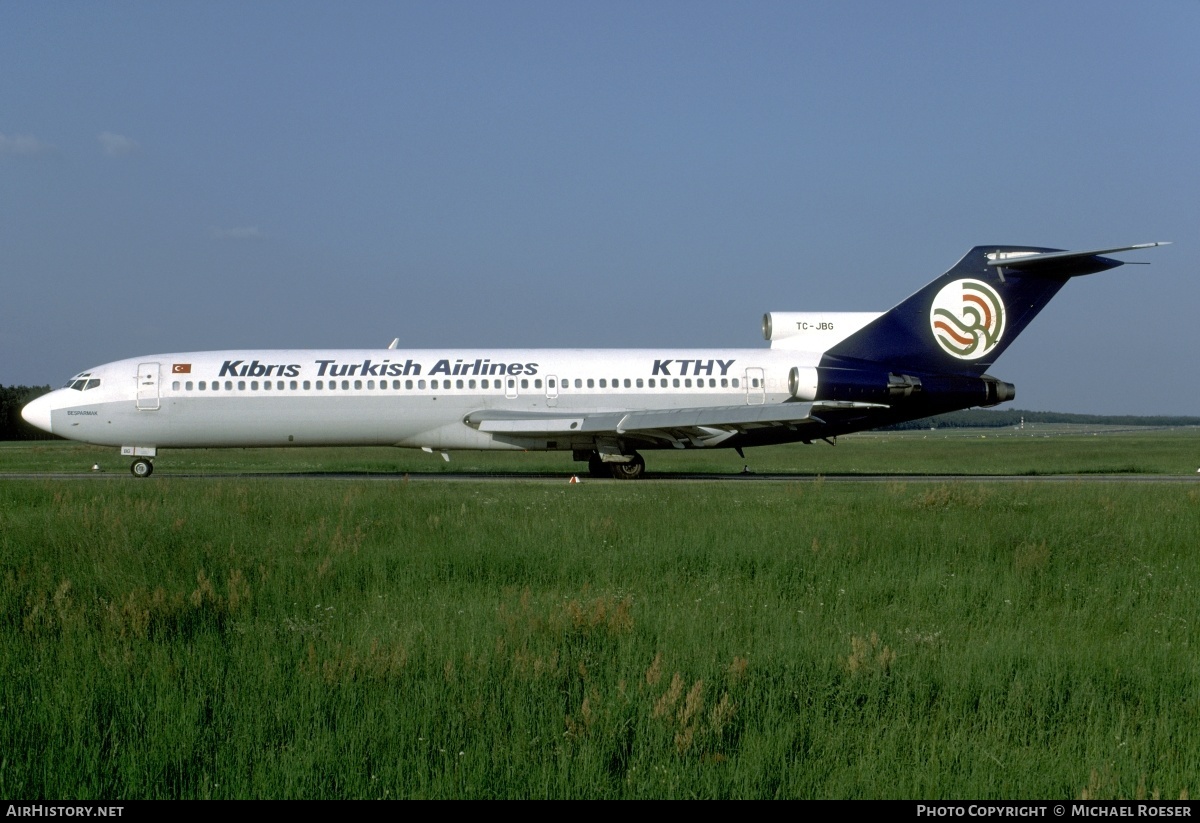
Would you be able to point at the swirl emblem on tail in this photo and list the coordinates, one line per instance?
(967, 318)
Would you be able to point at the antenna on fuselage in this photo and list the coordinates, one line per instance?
(394, 343)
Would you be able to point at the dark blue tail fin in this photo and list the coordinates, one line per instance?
(961, 322)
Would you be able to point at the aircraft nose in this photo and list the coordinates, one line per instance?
(37, 413)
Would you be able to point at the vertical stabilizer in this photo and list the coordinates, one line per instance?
(965, 319)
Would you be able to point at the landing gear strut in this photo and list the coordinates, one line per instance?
(142, 467)
(597, 467)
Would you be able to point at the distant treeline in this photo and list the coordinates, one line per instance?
(12, 425)
(1010, 418)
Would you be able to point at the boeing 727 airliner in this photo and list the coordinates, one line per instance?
(824, 374)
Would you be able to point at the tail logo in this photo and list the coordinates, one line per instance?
(967, 319)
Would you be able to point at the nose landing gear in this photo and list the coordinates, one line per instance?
(142, 467)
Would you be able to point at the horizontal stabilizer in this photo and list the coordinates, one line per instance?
(1058, 262)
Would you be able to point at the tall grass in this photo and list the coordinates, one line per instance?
(251, 638)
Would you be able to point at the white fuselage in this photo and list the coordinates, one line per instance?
(416, 398)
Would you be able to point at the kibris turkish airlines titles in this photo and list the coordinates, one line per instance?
(479, 367)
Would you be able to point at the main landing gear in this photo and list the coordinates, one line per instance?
(631, 470)
(142, 467)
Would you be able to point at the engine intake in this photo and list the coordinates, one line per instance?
(802, 383)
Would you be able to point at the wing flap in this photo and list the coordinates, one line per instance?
(501, 421)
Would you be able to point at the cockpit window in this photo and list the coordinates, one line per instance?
(83, 382)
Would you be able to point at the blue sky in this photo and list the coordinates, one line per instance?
(205, 175)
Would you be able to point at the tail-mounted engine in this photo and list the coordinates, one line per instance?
(895, 389)
(812, 330)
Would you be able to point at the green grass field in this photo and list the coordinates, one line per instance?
(255, 637)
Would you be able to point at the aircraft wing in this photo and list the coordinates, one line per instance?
(702, 426)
